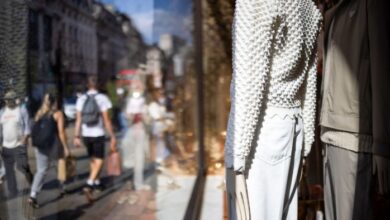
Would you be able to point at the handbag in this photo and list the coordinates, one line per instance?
(66, 168)
(137, 118)
(114, 164)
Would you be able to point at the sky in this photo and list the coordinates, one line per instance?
(156, 17)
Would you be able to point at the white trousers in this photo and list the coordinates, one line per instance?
(279, 141)
(134, 150)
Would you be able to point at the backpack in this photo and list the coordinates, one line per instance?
(44, 132)
(90, 114)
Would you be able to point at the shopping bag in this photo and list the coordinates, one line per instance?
(61, 170)
(66, 168)
(114, 164)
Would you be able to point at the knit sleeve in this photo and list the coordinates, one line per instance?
(313, 23)
(309, 106)
(252, 31)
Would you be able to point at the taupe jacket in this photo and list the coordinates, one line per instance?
(356, 86)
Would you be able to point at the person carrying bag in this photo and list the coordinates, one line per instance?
(49, 139)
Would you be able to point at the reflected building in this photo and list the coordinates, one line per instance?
(120, 45)
(71, 39)
(154, 66)
(62, 46)
(170, 44)
(136, 47)
(112, 47)
(13, 46)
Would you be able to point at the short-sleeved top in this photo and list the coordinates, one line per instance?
(104, 104)
(135, 105)
(14, 126)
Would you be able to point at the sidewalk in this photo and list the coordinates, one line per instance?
(124, 204)
(168, 203)
(72, 206)
(168, 198)
(213, 199)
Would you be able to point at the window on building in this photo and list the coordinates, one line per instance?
(47, 32)
(33, 31)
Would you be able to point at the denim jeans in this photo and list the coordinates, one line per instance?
(11, 156)
(43, 158)
(2, 168)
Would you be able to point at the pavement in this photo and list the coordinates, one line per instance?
(213, 199)
(52, 206)
(168, 203)
(166, 196)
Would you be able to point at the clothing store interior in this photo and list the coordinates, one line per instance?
(195, 109)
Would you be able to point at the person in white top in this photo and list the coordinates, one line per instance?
(14, 132)
(135, 145)
(157, 112)
(93, 135)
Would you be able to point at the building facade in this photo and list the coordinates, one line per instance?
(112, 42)
(13, 46)
(135, 44)
(155, 64)
(48, 45)
(62, 45)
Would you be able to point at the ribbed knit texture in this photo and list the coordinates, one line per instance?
(274, 61)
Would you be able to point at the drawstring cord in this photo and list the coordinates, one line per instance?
(287, 196)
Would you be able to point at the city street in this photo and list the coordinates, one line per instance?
(74, 204)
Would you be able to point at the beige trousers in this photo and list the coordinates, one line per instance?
(347, 184)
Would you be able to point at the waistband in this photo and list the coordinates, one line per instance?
(292, 113)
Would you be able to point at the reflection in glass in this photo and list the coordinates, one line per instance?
(143, 57)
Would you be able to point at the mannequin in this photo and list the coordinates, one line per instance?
(273, 103)
(354, 117)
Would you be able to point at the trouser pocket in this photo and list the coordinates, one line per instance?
(276, 139)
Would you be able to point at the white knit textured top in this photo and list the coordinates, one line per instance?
(274, 61)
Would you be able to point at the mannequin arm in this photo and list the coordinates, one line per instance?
(382, 170)
(309, 106)
(237, 193)
(252, 42)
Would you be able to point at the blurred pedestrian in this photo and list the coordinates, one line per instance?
(122, 117)
(157, 112)
(135, 145)
(91, 118)
(51, 143)
(111, 90)
(15, 130)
